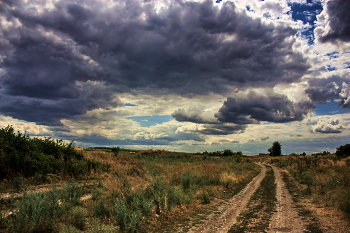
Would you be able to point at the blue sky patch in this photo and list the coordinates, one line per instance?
(331, 68)
(147, 121)
(307, 14)
(330, 108)
(333, 55)
(129, 104)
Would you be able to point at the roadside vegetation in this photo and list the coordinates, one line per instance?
(323, 177)
(116, 190)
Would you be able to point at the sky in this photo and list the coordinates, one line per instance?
(177, 75)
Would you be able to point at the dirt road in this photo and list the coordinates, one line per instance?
(225, 217)
(286, 218)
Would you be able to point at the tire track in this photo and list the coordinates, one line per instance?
(220, 221)
(286, 218)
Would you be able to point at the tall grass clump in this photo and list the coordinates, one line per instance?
(36, 212)
(72, 193)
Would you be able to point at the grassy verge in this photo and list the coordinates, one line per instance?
(260, 208)
(323, 179)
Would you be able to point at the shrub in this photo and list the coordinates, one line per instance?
(22, 155)
(77, 217)
(37, 212)
(205, 197)
(227, 152)
(73, 192)
(187, 180)
(100, 210)
(343, 150)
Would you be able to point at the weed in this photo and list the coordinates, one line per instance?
(187, 180)
(73, 192)
(68, 229)
(205, 197)
(100, 210)
(36, 212)
(77, 217)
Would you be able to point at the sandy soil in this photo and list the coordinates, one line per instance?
(225, 217)
(286, 218)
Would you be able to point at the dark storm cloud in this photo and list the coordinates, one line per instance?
(49, 111)
(222, 129)
(329, 89)
(191, 115)
(253, 108)
(339, 21)
(210, 125)
(184, 48)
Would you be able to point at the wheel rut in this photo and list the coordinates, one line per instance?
(285, 218)
(221, 220)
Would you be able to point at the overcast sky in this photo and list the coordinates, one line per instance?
(178, 75)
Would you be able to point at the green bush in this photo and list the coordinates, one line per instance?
(77, 217)
(25, 156)
(100, 210)
(187, 181)
(205, 197)
(36, 212)
(343, 150)
(72, 193)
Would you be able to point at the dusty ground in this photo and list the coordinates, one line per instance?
(286, 218)
(225, 217)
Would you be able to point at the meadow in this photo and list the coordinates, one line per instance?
(47, 185)
(110, 190)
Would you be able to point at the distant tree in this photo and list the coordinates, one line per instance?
(275, 149)
(343, 150)
(227, 152)
(116, 150)
(303, 154)
(239, 153)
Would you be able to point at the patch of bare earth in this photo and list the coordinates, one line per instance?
(222, 219)
(330, 219)
(285, 218)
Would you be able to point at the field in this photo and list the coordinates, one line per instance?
(49, 186)
(114, 191)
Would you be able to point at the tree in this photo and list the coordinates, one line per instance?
(275, 149)
(343, 150)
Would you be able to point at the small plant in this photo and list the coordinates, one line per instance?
(205, 197)
(77, 217)
(36, 212)
(73, 192)
(68, 229)
(187, 180)
(100, 210)
(122, 215)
